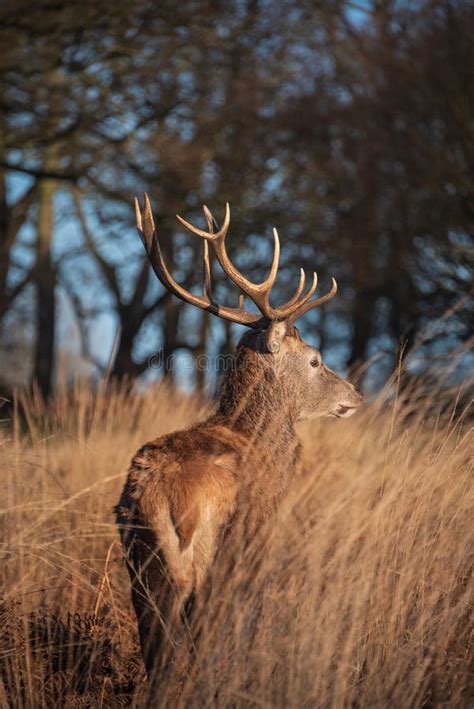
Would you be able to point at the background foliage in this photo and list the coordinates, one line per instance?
(350, 126)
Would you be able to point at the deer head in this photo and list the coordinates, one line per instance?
(271, 360)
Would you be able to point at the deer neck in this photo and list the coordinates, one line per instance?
(257, 407)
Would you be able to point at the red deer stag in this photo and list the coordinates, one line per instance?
(186, 491)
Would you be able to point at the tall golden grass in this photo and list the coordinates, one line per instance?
(358, 595)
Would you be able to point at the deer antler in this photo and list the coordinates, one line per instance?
(259, 293)
(146, 229)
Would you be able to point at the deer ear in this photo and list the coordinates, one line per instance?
(275, 335)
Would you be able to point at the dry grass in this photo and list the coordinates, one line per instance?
(361, 596)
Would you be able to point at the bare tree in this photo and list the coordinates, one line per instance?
(348, 126)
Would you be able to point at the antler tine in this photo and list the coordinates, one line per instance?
(270, 280)
(298, 291)
(211, 222)
(305, 304)
(285, 312)
(138, 216)
(206, 234)
(144, 221)
(207, 271)
(310, 292)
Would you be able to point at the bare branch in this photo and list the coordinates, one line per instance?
(39, 173)
(107, 269)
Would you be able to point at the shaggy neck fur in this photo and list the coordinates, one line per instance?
(254, 402)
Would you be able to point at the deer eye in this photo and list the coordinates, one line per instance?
(315, 362)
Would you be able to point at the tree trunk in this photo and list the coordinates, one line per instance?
(171, 313)
(4, 242)
(123, 366)
(12, 218)
(45, 286)
(4, 247)
(362, 321)
(201, 361)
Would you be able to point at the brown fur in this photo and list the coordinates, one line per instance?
(187, 491)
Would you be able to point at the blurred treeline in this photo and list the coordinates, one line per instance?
(348, 125)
